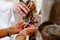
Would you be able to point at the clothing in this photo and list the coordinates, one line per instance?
(7, 16)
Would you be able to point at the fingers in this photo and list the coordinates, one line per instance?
(28, 25)
(21, 9)
(31, 30)
(28, 31)
(31, 6)
(20, 25)
(18, 11)
(25, 7)
(31, 25)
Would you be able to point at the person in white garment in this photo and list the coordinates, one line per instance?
(9, 10)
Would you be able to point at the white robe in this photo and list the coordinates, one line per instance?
(7, 16)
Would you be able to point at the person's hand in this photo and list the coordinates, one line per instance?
(21, 9)
(31, 6)
(17, 27)
(28, 31)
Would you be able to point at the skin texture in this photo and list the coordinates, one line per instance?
(20, 38)
(22, 9)
(31, 6)
(26, 31)
(31, 29)
(12, 30)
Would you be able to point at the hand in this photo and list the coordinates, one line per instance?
(21, 8)
(28, 31)
(31, 6)
(17, 27)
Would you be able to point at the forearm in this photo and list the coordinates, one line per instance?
(3, 33)
(7, 31)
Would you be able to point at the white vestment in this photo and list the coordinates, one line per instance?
(8, 17)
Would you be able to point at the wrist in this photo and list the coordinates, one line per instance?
(10, 31)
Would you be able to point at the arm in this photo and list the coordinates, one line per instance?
(18, 26)
(12, 30)
(27, 31)
(6, 32)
